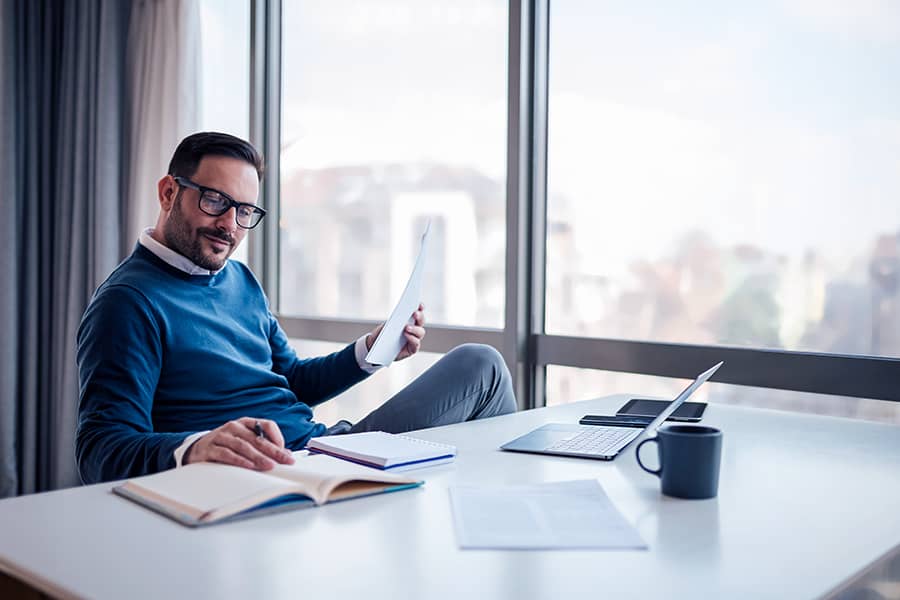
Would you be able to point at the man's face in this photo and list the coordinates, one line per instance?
(207, 241)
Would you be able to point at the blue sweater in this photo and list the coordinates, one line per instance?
(163, 354)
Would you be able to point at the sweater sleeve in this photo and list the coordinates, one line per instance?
(313, 380)
(119, 359)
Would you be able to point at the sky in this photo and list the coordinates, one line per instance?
(773, 123)
(395, 81)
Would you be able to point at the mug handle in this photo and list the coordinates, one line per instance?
(637, 454)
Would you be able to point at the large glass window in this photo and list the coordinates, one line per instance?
(392, 113)
(716, 175)
(725, 173)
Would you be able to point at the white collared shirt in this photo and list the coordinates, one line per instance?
(182, 263)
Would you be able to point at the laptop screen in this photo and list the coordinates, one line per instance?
(679, 400)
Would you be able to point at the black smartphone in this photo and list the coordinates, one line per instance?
(644, 407)
(616, 420)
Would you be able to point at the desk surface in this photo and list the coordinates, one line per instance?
(804, 503)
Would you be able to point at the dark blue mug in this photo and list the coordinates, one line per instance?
(689, 458)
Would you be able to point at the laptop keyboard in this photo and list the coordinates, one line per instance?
(601, 441)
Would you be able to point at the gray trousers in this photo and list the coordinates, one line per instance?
(469, 382)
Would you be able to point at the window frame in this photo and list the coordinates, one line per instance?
(522, 342)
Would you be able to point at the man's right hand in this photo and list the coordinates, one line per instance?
(236, 443)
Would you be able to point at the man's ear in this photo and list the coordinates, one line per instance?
(166, 190)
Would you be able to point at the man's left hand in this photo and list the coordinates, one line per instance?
(413, 333)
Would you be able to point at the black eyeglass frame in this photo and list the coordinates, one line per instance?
(185, 182)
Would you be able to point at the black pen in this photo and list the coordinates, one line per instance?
(259, 431)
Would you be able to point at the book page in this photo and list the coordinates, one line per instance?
(201, 488)
(321, 474)
(203, 493)
(559, 515)
(391, 340)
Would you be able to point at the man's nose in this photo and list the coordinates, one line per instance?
(227, 221)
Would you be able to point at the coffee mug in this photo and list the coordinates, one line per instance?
(688, 460)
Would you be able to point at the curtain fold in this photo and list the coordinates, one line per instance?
(87, 199)
(63, 139)
(9, 241)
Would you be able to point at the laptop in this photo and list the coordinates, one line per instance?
(602, 442)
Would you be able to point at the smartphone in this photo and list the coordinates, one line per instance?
(616, 420)
(644, 407)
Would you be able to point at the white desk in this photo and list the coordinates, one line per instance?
(804, 503)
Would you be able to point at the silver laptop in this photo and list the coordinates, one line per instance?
(602, 442)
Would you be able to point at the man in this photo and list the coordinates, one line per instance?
(181, 361)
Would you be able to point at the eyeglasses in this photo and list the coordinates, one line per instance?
(216, 203)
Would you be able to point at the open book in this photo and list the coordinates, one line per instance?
(205, 493)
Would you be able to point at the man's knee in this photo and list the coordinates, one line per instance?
(484, 363)
(478, 357)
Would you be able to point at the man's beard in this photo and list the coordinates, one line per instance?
(186, 241)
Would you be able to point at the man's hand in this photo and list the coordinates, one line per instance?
(237, 443)
(413, 333)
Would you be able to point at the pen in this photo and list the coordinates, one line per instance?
(259, 431)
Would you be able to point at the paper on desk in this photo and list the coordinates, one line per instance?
(545, 516)
(391, 340)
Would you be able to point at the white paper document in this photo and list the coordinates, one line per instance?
(544, 516)
(391, 339)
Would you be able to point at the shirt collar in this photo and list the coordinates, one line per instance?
(182, 263)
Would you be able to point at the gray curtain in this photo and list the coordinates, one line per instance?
(63, 145)
(8, 295)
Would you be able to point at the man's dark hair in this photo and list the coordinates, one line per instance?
(194, 147)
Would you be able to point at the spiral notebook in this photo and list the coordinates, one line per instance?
(386, 451)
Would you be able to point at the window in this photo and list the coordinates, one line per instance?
(725, 174)
(393, 113)
(720, 180)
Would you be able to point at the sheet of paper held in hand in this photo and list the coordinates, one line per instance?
(391, 339)
(544, 516)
